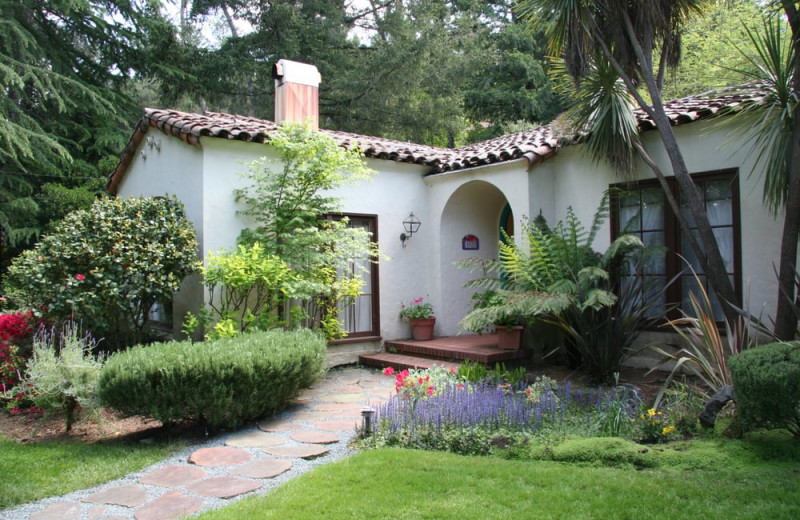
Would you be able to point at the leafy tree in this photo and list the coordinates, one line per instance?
(295, 223)
(628, 36)
(63, 65)
(107, 266)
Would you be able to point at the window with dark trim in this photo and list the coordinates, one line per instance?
(641, 209)
(361, 317)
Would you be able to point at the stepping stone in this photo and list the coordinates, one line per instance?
(338, 407)
(59, 511)
(254, 440)
(297, 452)
(349, 380)
(311, 416)
(337, 426)
(311, 437)
(96, 512)
(343, 398)
(173, 476)
(277, 425)
(224, 487)
(218, 457)
(128, 495)
(348, 389)
(382, 392)
(264, 468)
(351, 415)
(172, 504)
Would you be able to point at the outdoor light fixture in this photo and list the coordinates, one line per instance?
(411, 225)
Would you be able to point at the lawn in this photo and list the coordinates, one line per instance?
(30, 471)
(705, 479)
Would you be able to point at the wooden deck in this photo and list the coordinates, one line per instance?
(446, 351)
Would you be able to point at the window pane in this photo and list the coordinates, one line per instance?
(655, 260)
(688, 253)
(719, 203)
(652, 209)
(724, 238)
(356, 315)
(630, 213)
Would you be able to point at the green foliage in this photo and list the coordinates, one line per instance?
(63, 373)
(306, 249)
(219, 383)
(242, 283)
(554, 277)
(766, 383)
(416, 309)
(108, 265)
(705, 350)
(475, 372)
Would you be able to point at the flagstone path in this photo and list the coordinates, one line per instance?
(315, 430)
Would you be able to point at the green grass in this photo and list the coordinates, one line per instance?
(707, 479)
(29, 472)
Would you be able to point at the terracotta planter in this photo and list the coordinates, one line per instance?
(422, 328)
(509, 338)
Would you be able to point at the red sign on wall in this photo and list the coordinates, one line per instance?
(470, 243)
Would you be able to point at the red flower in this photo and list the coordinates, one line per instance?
(14, 411)
(80, 277)
(459, 386)
(452, 370)
(388, 371)
(430, 390)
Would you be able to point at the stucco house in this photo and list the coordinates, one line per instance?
(462, 198)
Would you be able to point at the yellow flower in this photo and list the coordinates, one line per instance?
(651, 412)
(667, 430)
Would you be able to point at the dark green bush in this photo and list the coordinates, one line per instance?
(766, 383)
(221, 383)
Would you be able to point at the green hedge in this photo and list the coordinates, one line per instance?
(221, 383)
(766, 385)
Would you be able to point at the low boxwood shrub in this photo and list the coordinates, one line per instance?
(766, 383)
(218, 383)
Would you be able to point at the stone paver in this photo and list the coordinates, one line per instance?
(342, 398)
(327, 413)
(337, 426)
(297, 452)
(174, 476)
(339, 407)
(128, 495)
(278, 425)
(172, 504)
(219, 456)
(224, 487)
(59, 511)
(347, 389)
(265, 468)
(254, 439)
(312, 437)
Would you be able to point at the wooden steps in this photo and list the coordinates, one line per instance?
(448, 352)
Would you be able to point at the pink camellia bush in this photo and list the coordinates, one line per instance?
(15, 329)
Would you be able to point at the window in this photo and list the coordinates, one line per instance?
(360, 318)
(641, 209)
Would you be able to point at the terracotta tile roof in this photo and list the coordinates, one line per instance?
(534, 145)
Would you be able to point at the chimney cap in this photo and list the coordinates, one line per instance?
(296, 72)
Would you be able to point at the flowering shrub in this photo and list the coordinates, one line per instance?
(543, 388)
(108, 265)
(652, 426)
(424, 383)
(15, 327)
(416, 310)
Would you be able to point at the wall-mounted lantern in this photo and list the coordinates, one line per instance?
(411, 225)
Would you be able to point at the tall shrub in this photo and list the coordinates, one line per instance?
(295, 220)
(108, 265)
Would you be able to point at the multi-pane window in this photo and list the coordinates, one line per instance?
(359, 317)
(641, 209)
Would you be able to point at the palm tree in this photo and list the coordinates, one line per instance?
(627, 34)
(772, 128)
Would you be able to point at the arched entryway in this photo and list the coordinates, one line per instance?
(470, 227)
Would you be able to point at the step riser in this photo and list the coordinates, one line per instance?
(453, 353)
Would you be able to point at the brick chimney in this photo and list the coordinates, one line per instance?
(296, 92)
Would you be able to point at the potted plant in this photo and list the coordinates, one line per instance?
(420, 316)
(488, 312)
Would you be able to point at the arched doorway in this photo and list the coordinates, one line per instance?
(477, 209)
